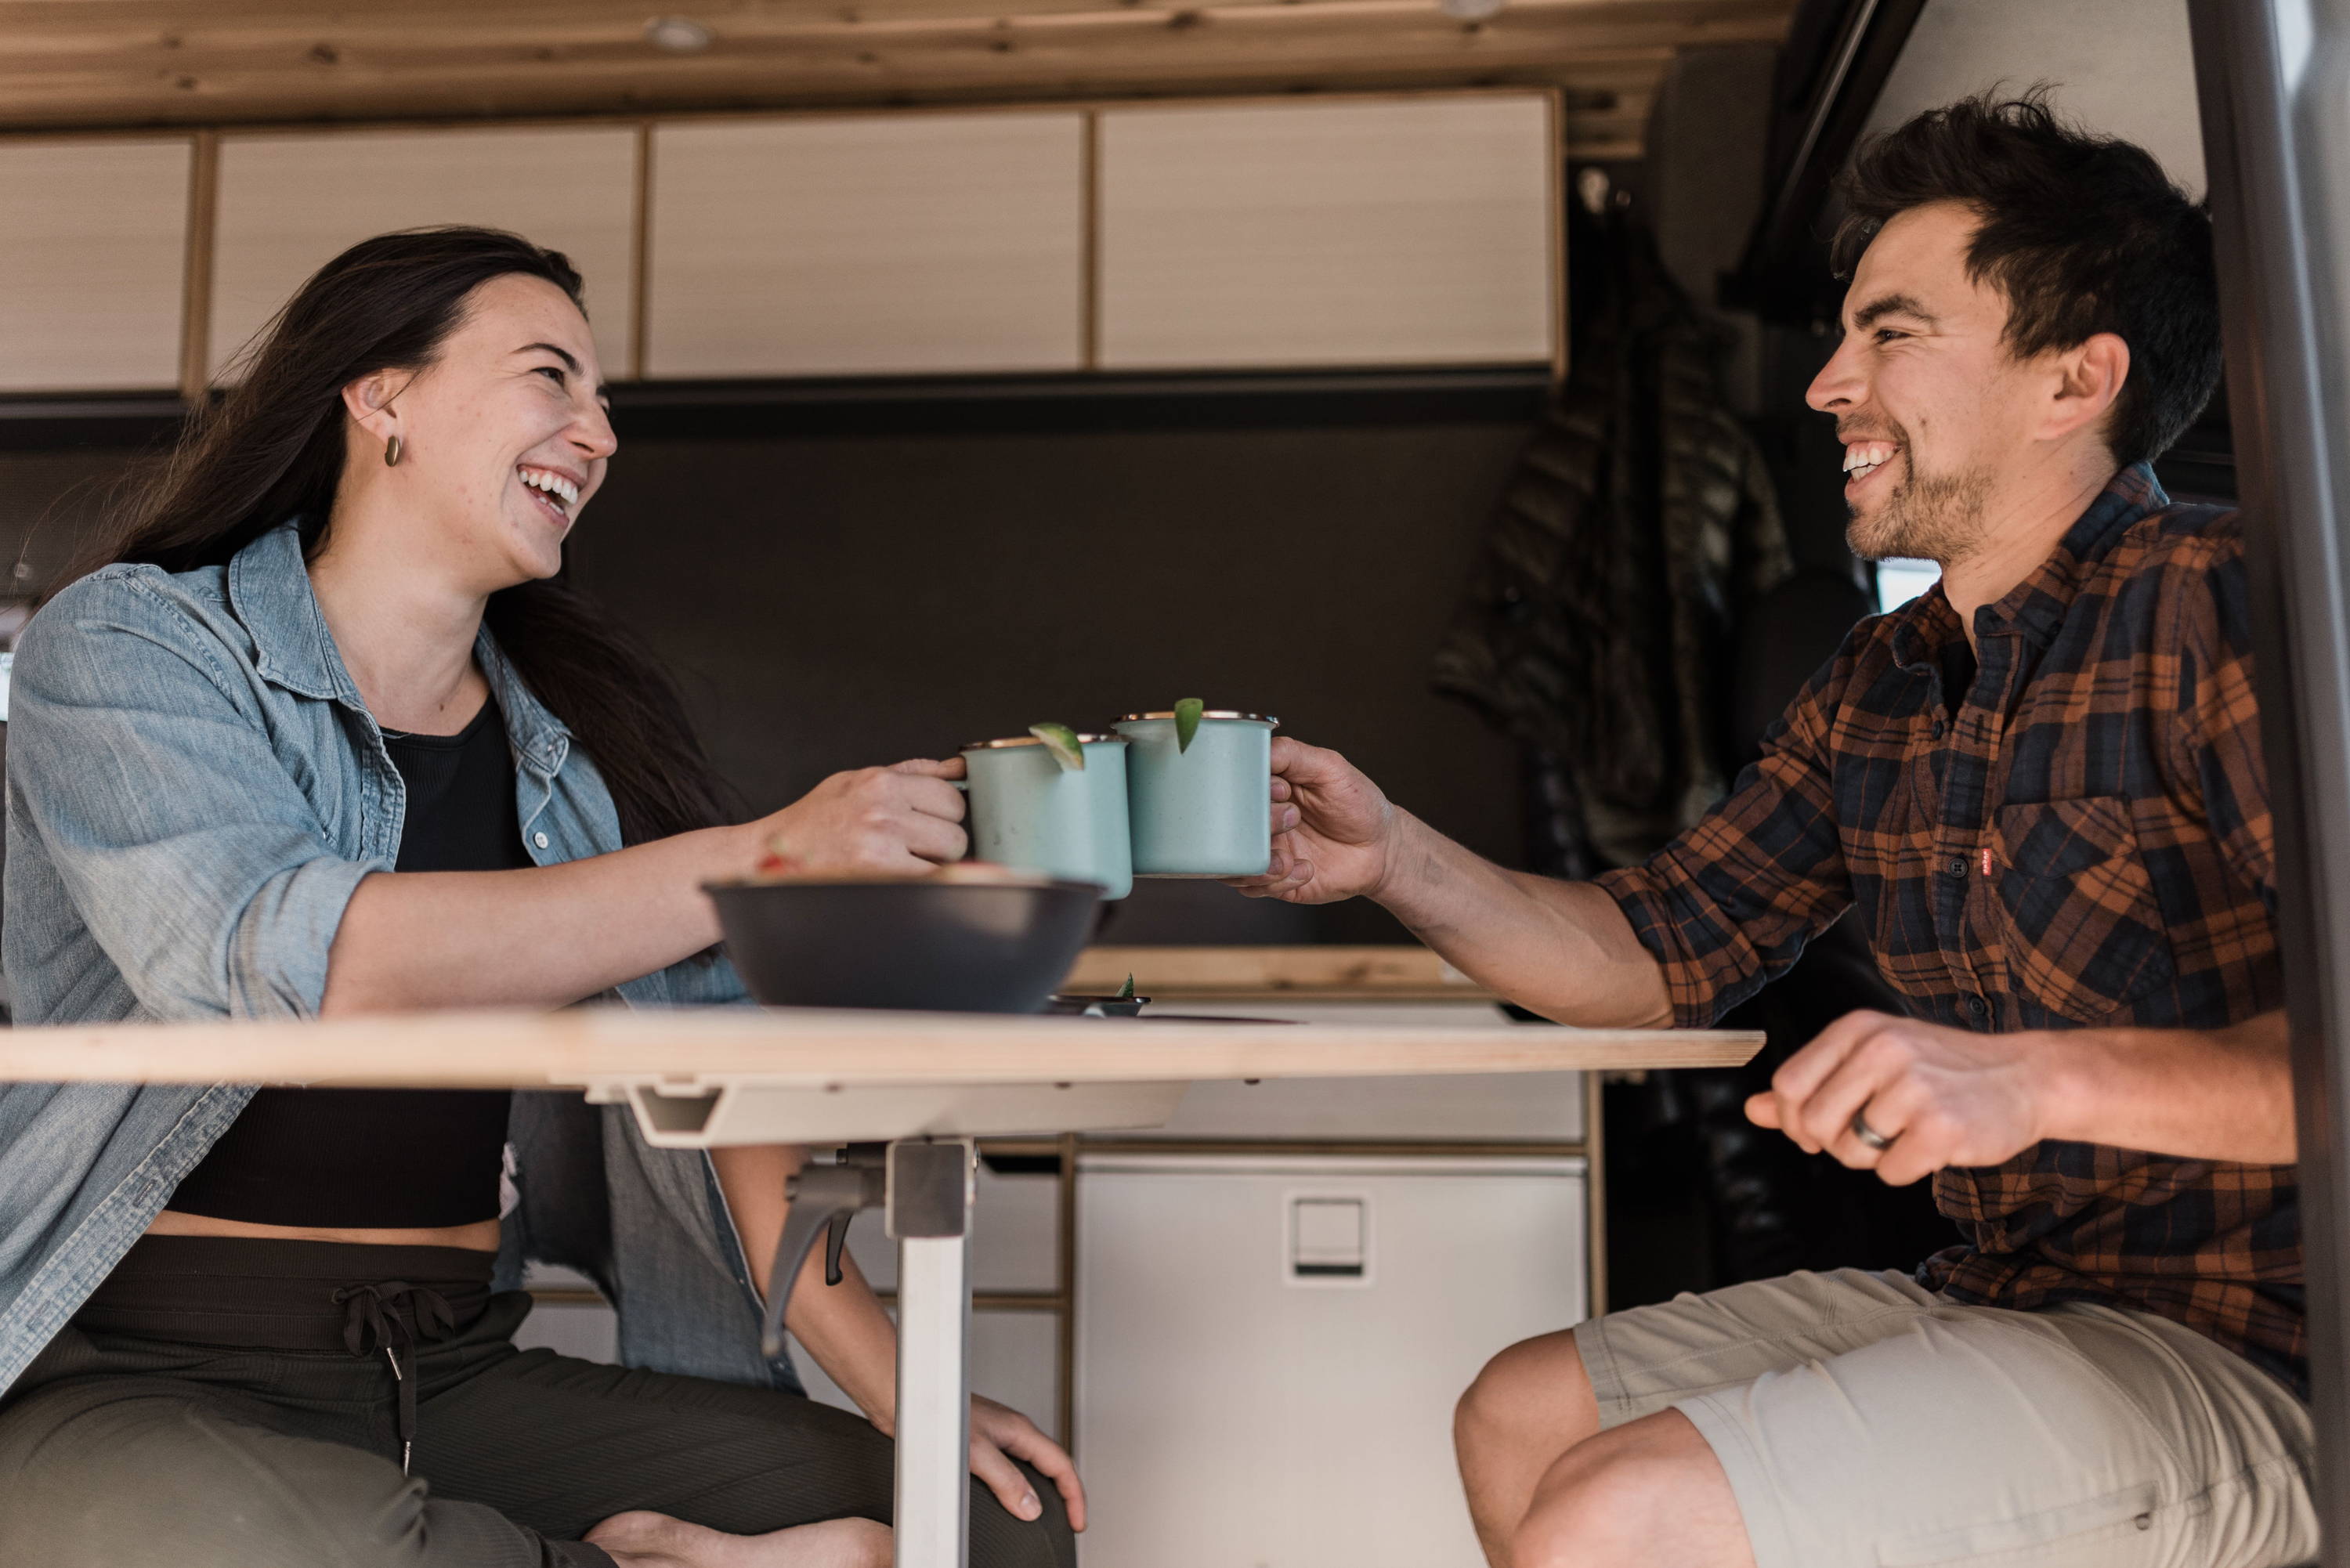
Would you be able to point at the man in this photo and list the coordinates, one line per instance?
(2039, 789)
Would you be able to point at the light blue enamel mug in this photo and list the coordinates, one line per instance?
(1028, 811)
(1204, 810)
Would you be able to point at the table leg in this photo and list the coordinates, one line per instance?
(928, 1213)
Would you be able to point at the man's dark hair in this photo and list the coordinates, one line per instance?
(2083, 233)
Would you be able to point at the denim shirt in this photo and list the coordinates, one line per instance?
(195, 790)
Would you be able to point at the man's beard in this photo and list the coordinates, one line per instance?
(1928, 518)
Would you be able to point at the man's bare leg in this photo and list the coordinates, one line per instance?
(1529, 1407)
(1648, 1494)
(645, 1539)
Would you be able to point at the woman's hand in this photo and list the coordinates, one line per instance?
(1000, 1435)
(1333, 831)
(898, 821)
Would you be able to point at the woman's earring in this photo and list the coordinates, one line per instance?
(392, 452)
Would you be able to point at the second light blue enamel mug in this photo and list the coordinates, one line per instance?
(1204, 810)
(1028, 811)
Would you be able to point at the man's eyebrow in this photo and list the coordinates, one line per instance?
(1877, 309)
(565, 354)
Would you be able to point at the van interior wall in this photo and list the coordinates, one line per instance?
(838, 600)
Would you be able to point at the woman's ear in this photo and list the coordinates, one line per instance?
(368, 401)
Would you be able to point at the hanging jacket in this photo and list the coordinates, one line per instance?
(1596, 628)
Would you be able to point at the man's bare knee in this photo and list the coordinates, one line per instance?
(1647, 1492)
(1534, 1394)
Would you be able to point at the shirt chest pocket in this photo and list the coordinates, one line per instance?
(2087, 933)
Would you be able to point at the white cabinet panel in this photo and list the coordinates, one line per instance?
(1411, 230)
(867, 245)
(93, 247)
(288, 204)
(1535, 1108)
(1269, 1350)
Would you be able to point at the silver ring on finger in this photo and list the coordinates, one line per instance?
(1869, 1134)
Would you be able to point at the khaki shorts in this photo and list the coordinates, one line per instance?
(1866, 1422)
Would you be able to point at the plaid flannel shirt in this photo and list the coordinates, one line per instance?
(2081, 837)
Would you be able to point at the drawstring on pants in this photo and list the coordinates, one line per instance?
(397, 1316)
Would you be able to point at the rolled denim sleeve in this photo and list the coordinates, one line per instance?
(140, 756)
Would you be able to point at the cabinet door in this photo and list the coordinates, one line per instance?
(1269, 1350)
(93, 247)
(867, 245)
(288, 204)
(1402, 231)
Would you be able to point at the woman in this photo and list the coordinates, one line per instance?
(325, 737)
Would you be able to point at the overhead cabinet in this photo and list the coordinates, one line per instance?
(287, 205)
(1409, 230)
(866, 244)
(1400, 231)
(93, 250)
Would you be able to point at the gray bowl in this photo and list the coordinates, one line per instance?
(939, 947)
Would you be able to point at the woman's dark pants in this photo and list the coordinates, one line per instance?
(119, 1451)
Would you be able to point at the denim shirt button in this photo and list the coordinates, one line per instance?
(539, 839)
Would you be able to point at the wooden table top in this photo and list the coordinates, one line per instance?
(805, 1046)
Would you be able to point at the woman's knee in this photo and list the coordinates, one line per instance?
(1001, 1540)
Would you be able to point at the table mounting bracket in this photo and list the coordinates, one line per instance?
(824, 1200)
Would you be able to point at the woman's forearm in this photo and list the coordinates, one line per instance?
(842, 1326)
(546, 937)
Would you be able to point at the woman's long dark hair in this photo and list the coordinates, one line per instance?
(273, 449)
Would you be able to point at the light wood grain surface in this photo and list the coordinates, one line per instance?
(816, 1049)
(1410, 231)
(93, 235)
(1394, 971)
(866, 245)
(288, 204)
(222, 62)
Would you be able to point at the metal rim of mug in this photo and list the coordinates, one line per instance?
(1210, 713)
(1011, 741)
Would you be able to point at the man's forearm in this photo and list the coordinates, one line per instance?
(1562, 949)
(2219, 1094)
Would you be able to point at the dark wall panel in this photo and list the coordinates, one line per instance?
(839, 601)
(843, 599)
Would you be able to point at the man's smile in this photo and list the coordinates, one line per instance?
(1863, 459)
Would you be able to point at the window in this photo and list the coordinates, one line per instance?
(1899, 580)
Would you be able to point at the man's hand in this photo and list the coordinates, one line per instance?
(900, 821)
(1943, 1096)
(1000, 1435)
(1333, 831)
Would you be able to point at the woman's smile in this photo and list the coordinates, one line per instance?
(553, 491)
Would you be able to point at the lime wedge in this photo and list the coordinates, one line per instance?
(1062, 742)
(1126, 991)
(1186, 721)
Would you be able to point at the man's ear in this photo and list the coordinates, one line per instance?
(2089, 380)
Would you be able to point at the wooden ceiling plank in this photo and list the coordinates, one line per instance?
(1562, 28)
(806, 54)
(572, 43)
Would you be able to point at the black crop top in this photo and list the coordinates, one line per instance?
(386, 1158)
